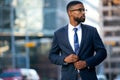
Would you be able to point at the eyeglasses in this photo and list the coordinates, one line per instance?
(80, 9)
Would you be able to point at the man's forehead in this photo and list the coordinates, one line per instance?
(78, 6)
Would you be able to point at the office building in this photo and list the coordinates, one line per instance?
(110, 21)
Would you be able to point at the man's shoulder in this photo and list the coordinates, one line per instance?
(61, 29)
(88, 26)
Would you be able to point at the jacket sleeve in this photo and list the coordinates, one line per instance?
(100, 51)
(55, 56)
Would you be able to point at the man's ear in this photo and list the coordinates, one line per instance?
(69, 12)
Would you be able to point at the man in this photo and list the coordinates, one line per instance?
(77, 47)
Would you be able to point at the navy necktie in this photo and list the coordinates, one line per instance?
(76, 43)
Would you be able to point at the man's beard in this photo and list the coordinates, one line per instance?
(79, 20)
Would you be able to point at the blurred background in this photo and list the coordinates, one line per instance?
(27, 27)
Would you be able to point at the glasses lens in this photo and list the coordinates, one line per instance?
(82, 10)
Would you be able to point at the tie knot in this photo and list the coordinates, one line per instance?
(75, 29)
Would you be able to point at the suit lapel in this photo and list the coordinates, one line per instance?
(66, 40)
(84, 31)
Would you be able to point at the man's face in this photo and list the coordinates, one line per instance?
(77, 12)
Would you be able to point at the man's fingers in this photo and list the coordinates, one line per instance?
(80, 64)
(71, 58)
(74, 56)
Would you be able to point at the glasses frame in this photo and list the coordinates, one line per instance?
(80, 9)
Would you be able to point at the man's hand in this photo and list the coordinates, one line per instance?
(80, 64)
(71, 58)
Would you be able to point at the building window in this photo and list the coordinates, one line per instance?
(112, 23)
(117, 33)
(105, 3)
(108, 33)
(115, 12)
(105, 13)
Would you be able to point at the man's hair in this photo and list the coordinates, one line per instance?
(72, 3)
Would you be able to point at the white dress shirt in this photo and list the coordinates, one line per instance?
(71, 34)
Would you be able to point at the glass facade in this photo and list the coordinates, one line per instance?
(5, 15)
(29, 16)
(24, 22)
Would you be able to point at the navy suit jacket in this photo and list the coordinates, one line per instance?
(91, 50)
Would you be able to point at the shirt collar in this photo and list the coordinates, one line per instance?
(71, 27)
